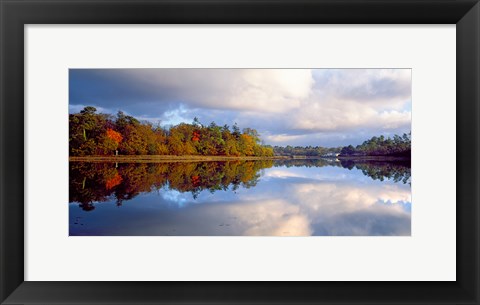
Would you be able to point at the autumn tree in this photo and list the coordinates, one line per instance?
(112, 139)
(100, 134)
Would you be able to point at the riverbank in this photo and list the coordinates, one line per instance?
(166, 158)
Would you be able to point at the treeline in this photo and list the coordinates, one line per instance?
(380, 146)
(311, 151)
(376, 146)
(93, 133)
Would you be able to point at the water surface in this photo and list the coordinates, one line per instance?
(240, 198)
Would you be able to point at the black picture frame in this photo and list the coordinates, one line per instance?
(15, 14)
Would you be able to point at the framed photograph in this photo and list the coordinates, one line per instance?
(254, 169)
(239, 152)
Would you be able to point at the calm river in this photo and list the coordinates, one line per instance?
(240, 198)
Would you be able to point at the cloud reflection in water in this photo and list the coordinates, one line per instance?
(285, 201)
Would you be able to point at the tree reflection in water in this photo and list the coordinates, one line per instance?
(99, 182)
(398, 171)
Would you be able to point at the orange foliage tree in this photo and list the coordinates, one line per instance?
(112, 139)
(196, 136)
(115, 136)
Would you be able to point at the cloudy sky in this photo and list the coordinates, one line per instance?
(324, 107)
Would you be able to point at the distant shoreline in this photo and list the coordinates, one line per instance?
(165, 158)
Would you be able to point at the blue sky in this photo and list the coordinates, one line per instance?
(325, 107)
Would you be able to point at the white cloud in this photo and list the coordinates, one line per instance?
(263, 90)
(273, 90)
(282, 138)
(348, 99)
(341, 115)
(379, 87)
